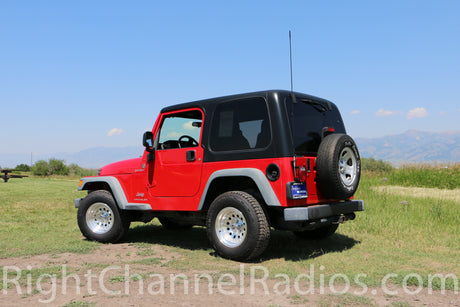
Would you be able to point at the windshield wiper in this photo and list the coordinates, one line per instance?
(317, 105)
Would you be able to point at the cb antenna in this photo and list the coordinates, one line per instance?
(294, 101)
(290, 56)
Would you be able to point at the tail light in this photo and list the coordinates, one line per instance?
(327, 130)
(301, 168)
(298, 188)
(301, 173)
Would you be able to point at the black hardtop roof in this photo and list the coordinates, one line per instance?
(276, 94)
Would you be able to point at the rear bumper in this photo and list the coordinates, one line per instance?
(323, 211)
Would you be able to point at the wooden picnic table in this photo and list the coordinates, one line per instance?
(6, 175)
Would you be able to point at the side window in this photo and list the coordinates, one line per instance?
(180, 130)
(240, 125)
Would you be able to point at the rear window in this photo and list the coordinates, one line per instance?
(307, 118)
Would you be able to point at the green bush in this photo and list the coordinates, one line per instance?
(57, 167)
(80, 171)
(50, 167)
(22, 168)
(377, 166)
(40, 168)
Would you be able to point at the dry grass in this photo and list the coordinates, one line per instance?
(434, 193)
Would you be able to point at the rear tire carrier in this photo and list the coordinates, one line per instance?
(338, 166)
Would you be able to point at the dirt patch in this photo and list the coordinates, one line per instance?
(135, 275)
(441, 194)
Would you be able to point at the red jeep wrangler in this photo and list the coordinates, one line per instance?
(237, 165)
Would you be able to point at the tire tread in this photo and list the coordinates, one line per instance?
(262, 233)
(116, 233)
(329, 182)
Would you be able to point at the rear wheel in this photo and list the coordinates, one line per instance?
(237, 226)
(100, 219)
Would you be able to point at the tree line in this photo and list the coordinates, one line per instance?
(55, 167)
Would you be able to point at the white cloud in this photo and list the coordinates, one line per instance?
(188, 126)
(173, 135)
(417, 113)
(355, 112)
(382, 112)
(115, 132)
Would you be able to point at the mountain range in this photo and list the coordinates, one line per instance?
(410, 146)
(413, 146)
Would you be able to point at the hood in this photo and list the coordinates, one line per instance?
(121, 167)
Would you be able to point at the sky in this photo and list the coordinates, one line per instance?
(81, 74)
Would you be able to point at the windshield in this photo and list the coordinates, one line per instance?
(307, 118)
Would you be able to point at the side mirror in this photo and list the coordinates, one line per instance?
(147, 142)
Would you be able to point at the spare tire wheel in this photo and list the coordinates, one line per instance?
(338, 166)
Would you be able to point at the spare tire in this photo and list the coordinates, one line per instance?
(338, 166)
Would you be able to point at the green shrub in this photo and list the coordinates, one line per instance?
(50, 167)
(378, 166)
(22, 168)
(80, 171)
(57, 167)
(40, 168)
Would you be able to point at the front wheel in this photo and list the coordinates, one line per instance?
(237, 226)
(99, 218)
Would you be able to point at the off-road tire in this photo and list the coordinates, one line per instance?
(338, 166)
(318, 233)
(237, 226)
(100, 219)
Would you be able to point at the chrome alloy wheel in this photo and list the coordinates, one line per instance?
(347, 166)
(99, 218)
(230, 227)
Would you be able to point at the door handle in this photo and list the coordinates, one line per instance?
(191, 155)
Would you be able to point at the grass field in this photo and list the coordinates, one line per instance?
(401, 231)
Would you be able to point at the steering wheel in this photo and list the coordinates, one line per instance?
(191, 141)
